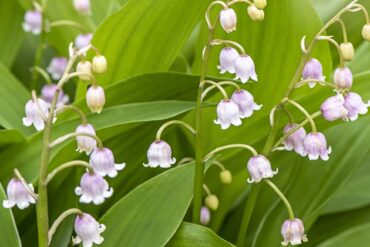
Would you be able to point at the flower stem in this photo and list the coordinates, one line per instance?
(60, 219)
(73, 108)
(73, 135)
(67, 165)
(164, 126)
(215, 84)
(213, 152)
(228, 43)
(208, 89)
(308, 116)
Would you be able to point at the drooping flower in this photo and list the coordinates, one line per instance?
(227, 114)
(295, 140)
(18, 194)
(244, 68)
(85, 143)
(228, 20)
(83, 40)
(102, 161)
(32, 22)
(99, 64)
(159, 154)
(355, 105)
(205, 215)
(56, 67)
(88, 231)
(212, 202)
(293, 232)
(245, 102)
(93, 188)
(347, 51)
(35, 113)
(48, 92)
(259, 167)
(95, 99)
(82, 6)
(226, 177)
(313, 70)
(255, 14)
(343, 78)
(227, 60)
(333, 108)
(84, 68)
(366, 32)
(315, 146)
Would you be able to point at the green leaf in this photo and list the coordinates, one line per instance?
(192, 235)
(10, 137)
(9, 233)
(150, 214)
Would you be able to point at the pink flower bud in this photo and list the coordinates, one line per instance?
(244, 68)
(56, 67)
(343, 78)
(102, 161)
(83, 40)
(313, 70)
(95, 99)
(294, 140)
(34, 114)
(84, 143)
(82, 6)
(228, 20)
(48, 92)
(245, 102)
(355, 105)
(227, 114)
(205, 215)
(159, 154)
(18, 195)
(293, 232)
(93, 188)
(88, 231)
(333, 108)
(33, 22)
(259, 167)
(315, 146)
(227, 60)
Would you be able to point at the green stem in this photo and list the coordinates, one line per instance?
(38, 57)
(308, 116)
(179, 122)
(60, 219)
(66, 166)
(245, 146)
(215, 84)
(73, 135)
(72, 108)
(229, 43)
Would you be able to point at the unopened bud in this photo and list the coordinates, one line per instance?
(366, 32)
(99, 64)
(95, 99)
(84, 67)
(226, 177)
(260, 4)
(255, 14)
(347, 51)
(211, 202)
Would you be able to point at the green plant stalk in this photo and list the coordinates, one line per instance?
(38, 57)
(252, 198)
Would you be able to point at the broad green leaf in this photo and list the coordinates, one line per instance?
(144, 36)
(9, 232)
(192, 235)
(150, 214)
(10, 137)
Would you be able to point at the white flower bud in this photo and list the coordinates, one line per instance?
(255, 14)
(260, 4)
(95, 99)
(226, 177)
(85, 68)
(347, 51)
(82, 6)
(99, 64)
(228, 20)
(366, 32)
(211, 202)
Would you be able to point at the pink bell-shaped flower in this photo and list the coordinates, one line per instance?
(293, 232)
(160, 154)
(88, 231)
(259, 167)
(228, 114)
(102, 161)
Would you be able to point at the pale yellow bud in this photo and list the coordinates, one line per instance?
(255, 14)
(211, 202)
(366, 32)
(85, 68)
(347, 51)
(99, 64)
(226, 177)
(260, 4)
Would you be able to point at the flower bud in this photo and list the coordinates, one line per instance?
(227, 60)
(95, 99)
(56, 67)
(159, 154)
(211, 202)
(255, 14)
(99, 64)
(32, 22)
(260, 4)
(228, 20)
(18, 194)
(82, 6)
(48, 92)
(83, 40)
(315, 146)
(93, 188)
(366, 32)
(205, 215)
(293, 232)
(313, 70)
(245, 102)
(34, 114)
(85, 68)
(259, 167)
(226, 177)
(355, 105)
(88, 231)
(294, 140)
(102, 161)
(244, 68)
(333, 108)
(343, 78)
(347, 51)
(227, 114)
